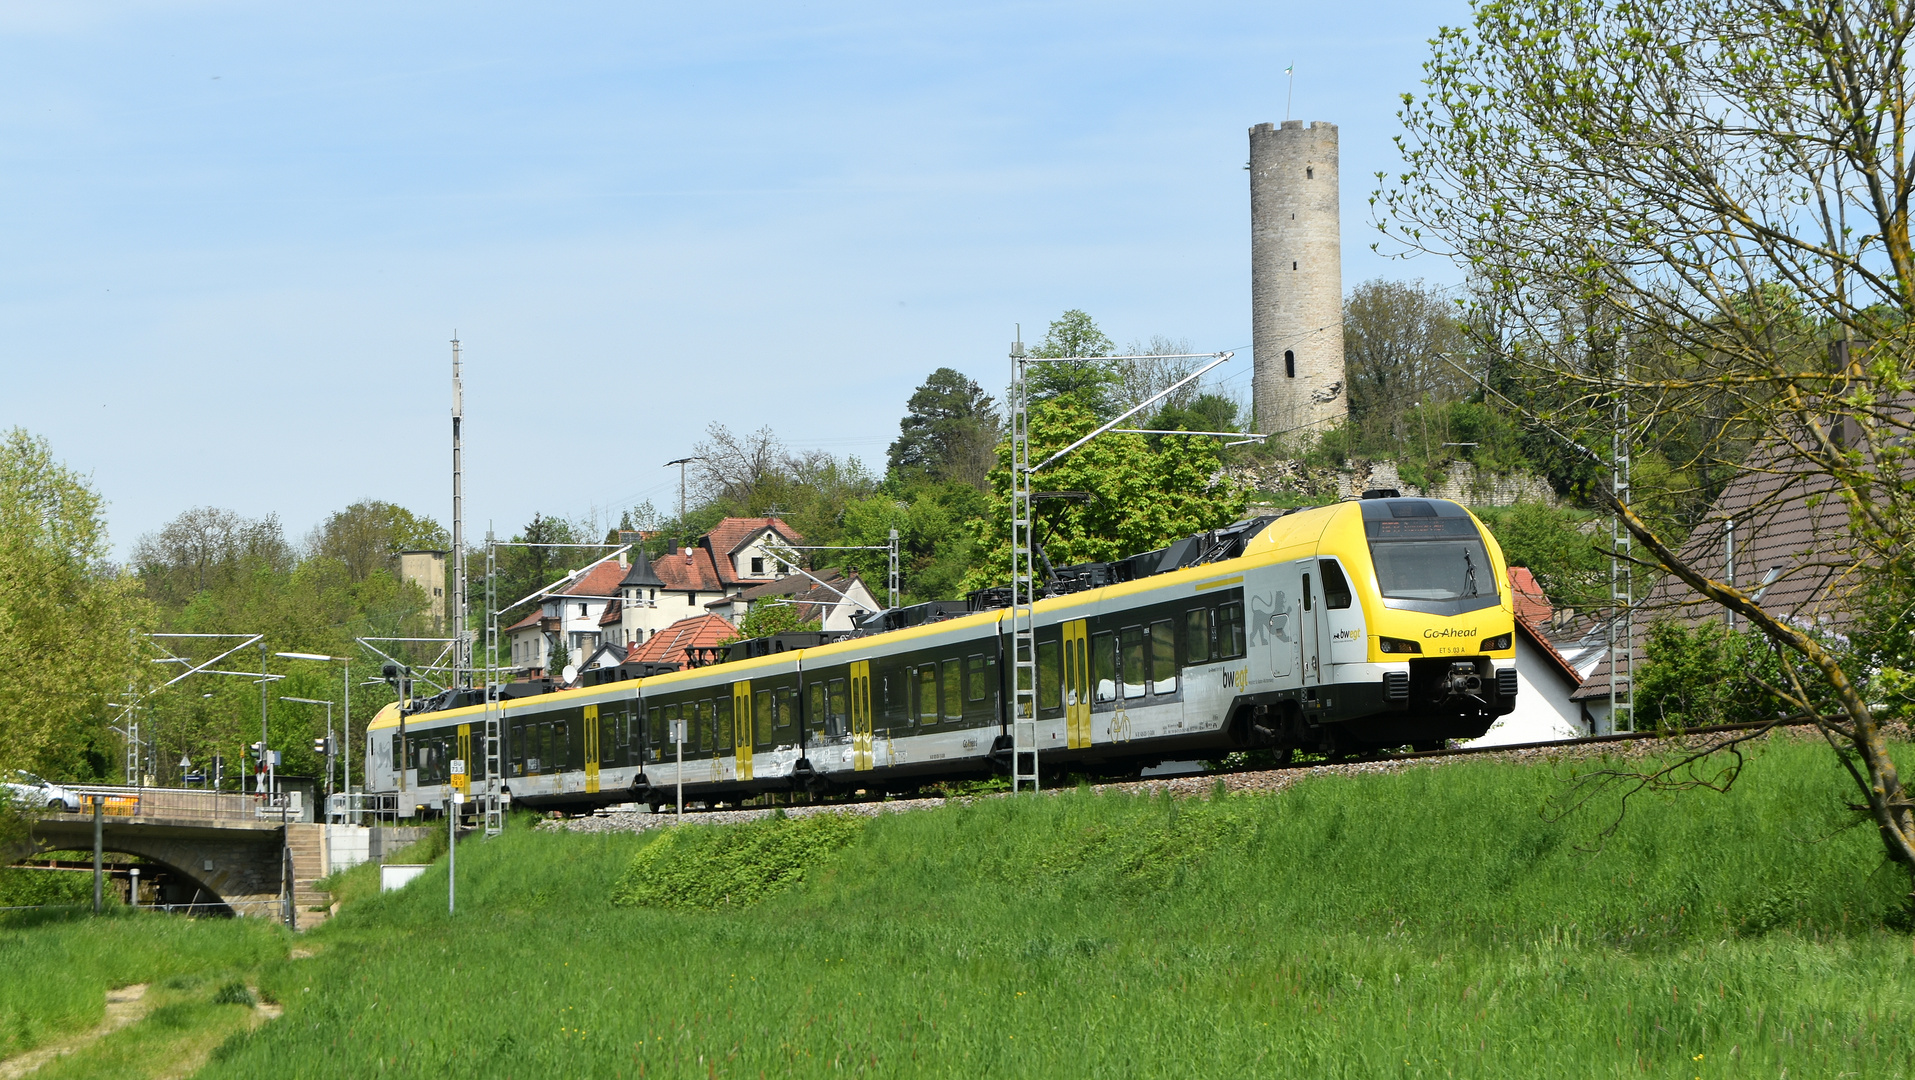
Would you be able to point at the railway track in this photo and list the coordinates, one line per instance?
(1262, 779)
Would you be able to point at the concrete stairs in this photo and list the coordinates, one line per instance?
(308, 844)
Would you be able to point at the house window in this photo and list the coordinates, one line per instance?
(758, 566)
(691, 599)
(581, 611)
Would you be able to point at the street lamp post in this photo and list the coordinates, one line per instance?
(345, 716)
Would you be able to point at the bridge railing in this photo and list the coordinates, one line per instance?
(188, 804)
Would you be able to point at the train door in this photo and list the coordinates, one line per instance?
(462, 781)
(1076, 684)
(861, 715)
(1311, 671)
(589, 721)
(741, 723)
(1282, 637)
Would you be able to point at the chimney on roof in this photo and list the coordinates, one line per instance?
(621, 559)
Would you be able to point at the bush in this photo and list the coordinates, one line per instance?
(1695, 676)
(732, 866)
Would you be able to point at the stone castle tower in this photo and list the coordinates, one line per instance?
(1296, 279)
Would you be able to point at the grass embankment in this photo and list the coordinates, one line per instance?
(1424, 923)
(56, 967)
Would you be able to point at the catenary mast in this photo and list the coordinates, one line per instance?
(461, 647)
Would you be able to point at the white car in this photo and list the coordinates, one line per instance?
(32, 792)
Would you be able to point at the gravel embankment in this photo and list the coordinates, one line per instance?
(1262, 782)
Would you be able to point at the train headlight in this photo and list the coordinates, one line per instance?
(1497, 643)
(1397, 645)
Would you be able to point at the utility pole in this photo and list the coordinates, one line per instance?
(265, 747)
(461, 648)
(681, 463)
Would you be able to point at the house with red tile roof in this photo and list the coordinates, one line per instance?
(684, 642)
(1545, 680)
(627, 600)
(569, 614)
(734, 556)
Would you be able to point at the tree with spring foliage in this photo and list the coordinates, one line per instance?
(1701, 210)
(1136, 497)
(72, 628)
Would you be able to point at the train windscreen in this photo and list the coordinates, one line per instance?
(1430, 558)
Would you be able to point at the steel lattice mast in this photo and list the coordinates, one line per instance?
(1622, 667)
(1023, 586)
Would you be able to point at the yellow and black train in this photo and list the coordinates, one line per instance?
(1355, 627)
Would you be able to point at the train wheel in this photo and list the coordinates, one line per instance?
(1430, 745)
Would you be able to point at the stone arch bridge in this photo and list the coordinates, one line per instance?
(217, 851)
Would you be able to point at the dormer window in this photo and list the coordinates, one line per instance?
(757, 566)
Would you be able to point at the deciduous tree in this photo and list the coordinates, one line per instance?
(72, 628)
(1701, 209)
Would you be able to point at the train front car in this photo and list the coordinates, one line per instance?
(1384, 622)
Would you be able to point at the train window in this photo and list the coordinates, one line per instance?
(721, 716)
(925, 690)
(1307, 596)
(698, 725)
(1197, 636)
(1103, 651)
(977, 683)
(664, 721)
(518, 749)
(839, 707)
(952, 675)
(1163, 657)
(1336, 587)
(1050, 683)
(785, 726)
(763, 718)
(816, 712)
(1230, 630)
(1136, 662)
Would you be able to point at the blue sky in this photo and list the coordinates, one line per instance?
(238, 236)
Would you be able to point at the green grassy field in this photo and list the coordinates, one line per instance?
(55, 967)
(1423, 923)
(1427, 923)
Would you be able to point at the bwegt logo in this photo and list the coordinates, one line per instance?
(1448, 632)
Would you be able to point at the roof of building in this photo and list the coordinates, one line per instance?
(1531, 605)
(672, 644)
(1785, 521)
(612, 613)
(729, 535)
(606, 655)
(600, 581)
(641, 572)
(814, 598)
(529, 621)
(689, 570)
